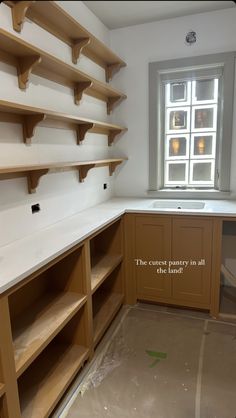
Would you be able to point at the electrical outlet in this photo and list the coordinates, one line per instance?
(35, 208)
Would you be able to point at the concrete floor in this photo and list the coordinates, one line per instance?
(162, 363)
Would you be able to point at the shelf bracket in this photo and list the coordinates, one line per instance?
(79, 90)
(18, 12)
(112, 135)
(83, 171)
(29, 124)
(77, 48)
(112, 69)
(111, 102)
(24, 69)
(82, 129)
(112, 167)
(34, 177)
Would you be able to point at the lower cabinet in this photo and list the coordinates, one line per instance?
(152, 242)
(53, 321)
(172, 259)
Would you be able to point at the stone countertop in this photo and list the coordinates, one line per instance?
(22, 257)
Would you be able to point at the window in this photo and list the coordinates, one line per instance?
(191, 104)
(191, 113)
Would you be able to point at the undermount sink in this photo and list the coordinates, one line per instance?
(178, 204)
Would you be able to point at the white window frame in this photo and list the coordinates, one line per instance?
(216, 65)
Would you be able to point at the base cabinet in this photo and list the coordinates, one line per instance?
(172, 259)
(153, 242)
(192, 242)
(53, 320)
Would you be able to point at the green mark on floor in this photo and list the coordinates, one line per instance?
(158, 355)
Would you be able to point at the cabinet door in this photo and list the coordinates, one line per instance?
(192, 241)
(152, 242)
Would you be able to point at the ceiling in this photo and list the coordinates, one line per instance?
(118, 14)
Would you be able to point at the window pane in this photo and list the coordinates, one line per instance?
(204, 117)
(176, 172)
(202, 172)
(203, 145)
(178, 93)
(177, 146)
(205, 90)
(178, 119)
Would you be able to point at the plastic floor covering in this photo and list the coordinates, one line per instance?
(161, 364)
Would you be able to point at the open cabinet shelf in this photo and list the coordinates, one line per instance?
(43, 384)
(105, 311)
(56, 21)
(35, 172)
(30, 117)
(39, 324)
(103, 266)
(28, 59)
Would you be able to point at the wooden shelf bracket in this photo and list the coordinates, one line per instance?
(83, 171)
(79, 90)
(111, 70)
(82, 129)
(29, 124)
(33, 178)
(24, 69)
(111, 102)
(18, 11)
(112, 167)
(112, 135)
(77, 48)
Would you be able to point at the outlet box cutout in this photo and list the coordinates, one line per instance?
(35, 208)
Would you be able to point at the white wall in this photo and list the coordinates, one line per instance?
(141, 44)
(60, 194)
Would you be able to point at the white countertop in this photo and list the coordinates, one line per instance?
(24, 256)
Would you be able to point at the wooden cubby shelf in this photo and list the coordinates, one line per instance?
(35, 172)
(30, 117)
(56, 21)
(110, 305)
(43, 384)
(29, 59)
(35, 328)
(2, 389)
(103, 266)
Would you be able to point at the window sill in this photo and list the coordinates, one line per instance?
(189, 194)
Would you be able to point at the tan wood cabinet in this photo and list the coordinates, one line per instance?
(53, 320)
(172, 259)
(153, 242)
(192, 241)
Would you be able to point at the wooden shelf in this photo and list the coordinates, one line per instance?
(102, 266)
(43, 384)
(56, 21)
(36, 327)
(2, 389)
(35, 172)
(30, 117)
(28, 59)
(103, 317)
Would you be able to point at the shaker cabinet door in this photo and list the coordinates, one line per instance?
(152, 243)
(192, 241)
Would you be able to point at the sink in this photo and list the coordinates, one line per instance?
(178, 204)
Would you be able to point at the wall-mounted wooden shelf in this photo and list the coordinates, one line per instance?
(103, 266)
(38, 325)
(35, 172)
(30, 117)
(56, 21)
(28, 59)
(45, 381)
